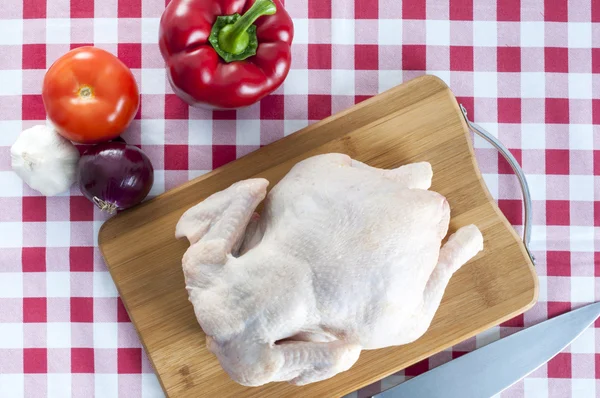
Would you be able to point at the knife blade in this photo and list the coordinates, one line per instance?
(493, 368)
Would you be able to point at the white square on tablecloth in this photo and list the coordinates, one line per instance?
(150, 27)
(106, 334)
(300, 30)
(247, 132)
(11, 33)
(104, 285)
(537, 186)
(12, 82)
(153, 81)
(12, 334)
(583, 388)
(389, 79)
(485, 33)
(532, 33)
(437, 32)
(536, 388)
(150, 386)
(152, 131)
(342, 82)
(106, 30)
(533, 85)
(11, 283)
(581, 187)
(580, 34)
(11, 235)
(582, 238)
(58, 234)
(533, 136)
(390, 32)
(291, 126)
(159, 183)
(580, 86)
(538, 236)
(342, 31)
(586, 343)
(485, 84)
(582, 290)
(296, 82)
(487, 336)
(58, 284)
(10, 132)
(442, 74)
(12, 384)
(59, 385)
(200, 132)
(581, 136)
(58, 31)
(10, 185)
(58, 334)
(106, 385)
(491, 181)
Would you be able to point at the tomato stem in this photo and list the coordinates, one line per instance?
(86, 92)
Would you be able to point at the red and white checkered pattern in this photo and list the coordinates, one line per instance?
(527, 70)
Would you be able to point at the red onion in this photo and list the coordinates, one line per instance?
(115, 176)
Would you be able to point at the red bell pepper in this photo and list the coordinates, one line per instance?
(218, 59)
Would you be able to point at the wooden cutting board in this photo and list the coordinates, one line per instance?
(417, 121)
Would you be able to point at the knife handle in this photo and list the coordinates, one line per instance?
(518, 172)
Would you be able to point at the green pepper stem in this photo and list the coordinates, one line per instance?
(234, 38)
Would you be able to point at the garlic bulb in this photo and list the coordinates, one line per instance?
(46, 161)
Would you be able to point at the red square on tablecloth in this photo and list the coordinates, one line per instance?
(414, 57)
(81, 259)
(366, 57)
(129, 360)
(461, 58)
(414, 9)
(597, 213)
(508, 10)
(557, 212)
(34, 9)
(516, 322)
(82, 9)
(319, 56)
(596, 254)
(33, 259)
(512, 209)
(34, 56)
(509, 59)
(81, 209)
(504, 166)
(224, 115)
(272, 108)
(34, 309)
(319, 107)
(366, 9)
(319, 9)
(34, 208)
(223, 154)
(557, 110)
(82, 360)
(417, 368)
(461, 10)
(509, 110)
(556, 10)
(33, 107)
(558, 263)
(595, 15)
(556, 59)
(175, 107)
(559, 367)
(130, 8)
(176, 157)
(557, 161)
(556, 308)
(35, 360)
(82, 309)
(596, 57)
(122, 315)
(130, 54)
(596, 111)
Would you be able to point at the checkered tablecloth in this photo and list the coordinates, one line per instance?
(526, 70)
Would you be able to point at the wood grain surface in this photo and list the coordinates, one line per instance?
(417, 121)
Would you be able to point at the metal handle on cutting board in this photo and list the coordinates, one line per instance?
(518, 172)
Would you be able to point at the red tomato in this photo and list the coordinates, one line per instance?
(90, 96)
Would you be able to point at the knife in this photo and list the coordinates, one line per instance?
(493, 368)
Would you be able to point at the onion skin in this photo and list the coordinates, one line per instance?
(115, 176)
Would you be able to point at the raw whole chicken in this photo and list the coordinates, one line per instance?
(344, 257)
